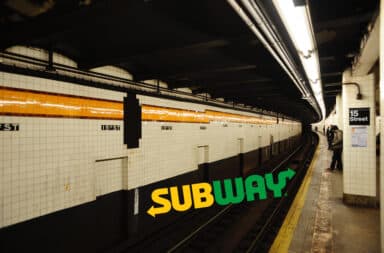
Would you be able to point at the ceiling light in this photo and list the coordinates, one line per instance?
(255, 17)
(297, 21)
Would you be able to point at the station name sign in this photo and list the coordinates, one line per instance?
(9, 127)
(359, 116)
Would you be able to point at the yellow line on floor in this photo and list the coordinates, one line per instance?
(284, 237)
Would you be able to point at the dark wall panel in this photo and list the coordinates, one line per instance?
(251, 161)
(91, 227)
(144, 223)
(226, 168)
(265, 154)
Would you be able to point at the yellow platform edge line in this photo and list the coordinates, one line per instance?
(284, 237)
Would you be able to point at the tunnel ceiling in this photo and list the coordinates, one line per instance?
(199, 44)
(339, 27)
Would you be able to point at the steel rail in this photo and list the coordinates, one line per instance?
(189, 238)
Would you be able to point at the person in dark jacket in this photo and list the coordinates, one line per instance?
(330, 135)
(337, 147)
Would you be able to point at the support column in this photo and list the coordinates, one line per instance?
(381, 74)
(359, 157)
(339, 112)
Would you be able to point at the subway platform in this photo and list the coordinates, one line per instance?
(319, 221)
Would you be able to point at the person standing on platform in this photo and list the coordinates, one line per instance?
(329, 136)
(337, 148)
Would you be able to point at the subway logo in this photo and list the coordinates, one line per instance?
(226, 192)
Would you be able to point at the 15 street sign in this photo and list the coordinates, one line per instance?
(359, 116)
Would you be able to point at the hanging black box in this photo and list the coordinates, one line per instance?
(132, 121)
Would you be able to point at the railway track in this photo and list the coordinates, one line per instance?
(250, 226)
(245, 227)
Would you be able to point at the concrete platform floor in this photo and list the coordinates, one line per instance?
(326, 224)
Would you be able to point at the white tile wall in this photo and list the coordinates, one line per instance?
(359, 176)
(37, 53)
(41, 54)
(50, 163)
(339, 112)
(113, 71)
(381, 88)
(154, 82)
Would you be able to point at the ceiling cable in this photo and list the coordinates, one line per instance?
(271, 42)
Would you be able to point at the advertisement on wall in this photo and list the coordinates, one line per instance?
(359, 136)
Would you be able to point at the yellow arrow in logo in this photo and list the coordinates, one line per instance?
(166, 204)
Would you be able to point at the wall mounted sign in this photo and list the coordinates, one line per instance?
(166, 127)
(359, 116)
(110, 127)
(359, 136)
(9, 127)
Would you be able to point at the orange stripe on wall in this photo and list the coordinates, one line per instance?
(156, 113)
(18, 102)
(21, 102)
(238, 118)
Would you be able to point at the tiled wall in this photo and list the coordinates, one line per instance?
(381, 88)
(113, 71)
(359, 174)
(42, 54)
(339, 112)
(336, 115)
(55, 163)
(332, 118)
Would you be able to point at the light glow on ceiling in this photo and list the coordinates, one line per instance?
(297, 21)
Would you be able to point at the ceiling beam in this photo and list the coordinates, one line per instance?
(335, 84)
(370, 52)
(327, 58)
(344, 21)
(248, 96)
(238, 92)
(233, 68)
(200, 42)
(248, 87)
(196, 72)
(331, 91)
(224, 84)
(328, 74)
(119, 55)
(49, 26)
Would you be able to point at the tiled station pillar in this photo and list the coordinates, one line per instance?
(359, 142)
(381, 74)
(339, 112)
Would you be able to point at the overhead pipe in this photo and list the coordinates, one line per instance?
(269, 32)
(359, 96)
(252, 26)
(256, 13)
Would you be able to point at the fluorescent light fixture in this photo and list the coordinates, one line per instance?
(297, 20)
(257, 21)
(268, 41)
(311, 67)
(316, 87)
